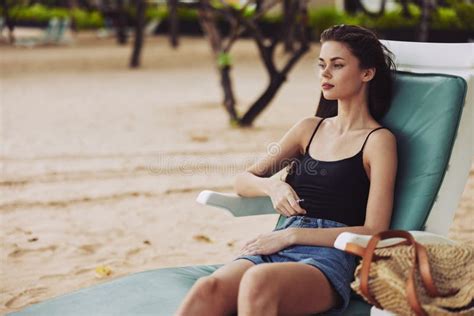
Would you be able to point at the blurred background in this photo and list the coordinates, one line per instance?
(116, 114)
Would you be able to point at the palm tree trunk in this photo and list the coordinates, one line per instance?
(138, 44)
(8, 21)
(173, 22)
(121, 23)
(426, 10)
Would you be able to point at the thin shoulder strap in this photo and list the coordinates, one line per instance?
(314, 132)
(369, 135)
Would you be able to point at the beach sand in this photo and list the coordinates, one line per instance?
(101, 164)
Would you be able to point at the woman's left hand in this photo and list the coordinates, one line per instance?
(267, 243)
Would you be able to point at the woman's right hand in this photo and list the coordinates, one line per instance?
(284, 198)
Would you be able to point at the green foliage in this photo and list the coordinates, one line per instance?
(395, 19)
(216, 4)
(465, 13)
(324, 17)
(235, 4)
(159, 13)
(445, 18)
(87, 20)
(248, 12)
(357, 19)
(42, 14)
(185, 14)
(272, 18)
(219, 5)
(224, 59)
(234, 123)
(459, 15)
(37, 13)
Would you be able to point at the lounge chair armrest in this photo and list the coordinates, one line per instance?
(237, 205)
(362, 240)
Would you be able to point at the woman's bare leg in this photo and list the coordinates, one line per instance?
(288, 288)
(217, 293)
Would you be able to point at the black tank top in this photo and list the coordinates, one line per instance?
(335, 190)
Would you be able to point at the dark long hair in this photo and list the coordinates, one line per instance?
(364, 45)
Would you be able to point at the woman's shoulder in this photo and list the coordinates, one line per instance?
(308, 123)
(303, 130)
(381, 140)
(381, 134)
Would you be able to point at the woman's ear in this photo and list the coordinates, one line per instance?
(368, 74)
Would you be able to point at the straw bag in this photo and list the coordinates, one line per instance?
(408, 278)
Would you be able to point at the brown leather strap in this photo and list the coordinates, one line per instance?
(369, 256)
(355, 249)
(425, 273)
(412, 296)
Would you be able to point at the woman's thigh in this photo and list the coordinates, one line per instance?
(301, 289)
(233, 271)
(229, 276)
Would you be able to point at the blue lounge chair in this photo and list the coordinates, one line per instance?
(431, 115)
(54, 34)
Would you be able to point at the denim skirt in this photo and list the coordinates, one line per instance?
(337, 265)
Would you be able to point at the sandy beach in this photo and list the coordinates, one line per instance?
(101, 164)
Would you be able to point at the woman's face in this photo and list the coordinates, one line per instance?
(339, 68)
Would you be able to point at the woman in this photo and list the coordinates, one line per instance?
(328, 190)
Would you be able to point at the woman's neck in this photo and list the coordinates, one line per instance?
(352, 115)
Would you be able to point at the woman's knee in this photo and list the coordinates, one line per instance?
(257, 286)
(207, 286)
(205, 298)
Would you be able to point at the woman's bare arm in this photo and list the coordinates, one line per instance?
(382, 153)
(256, 181)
